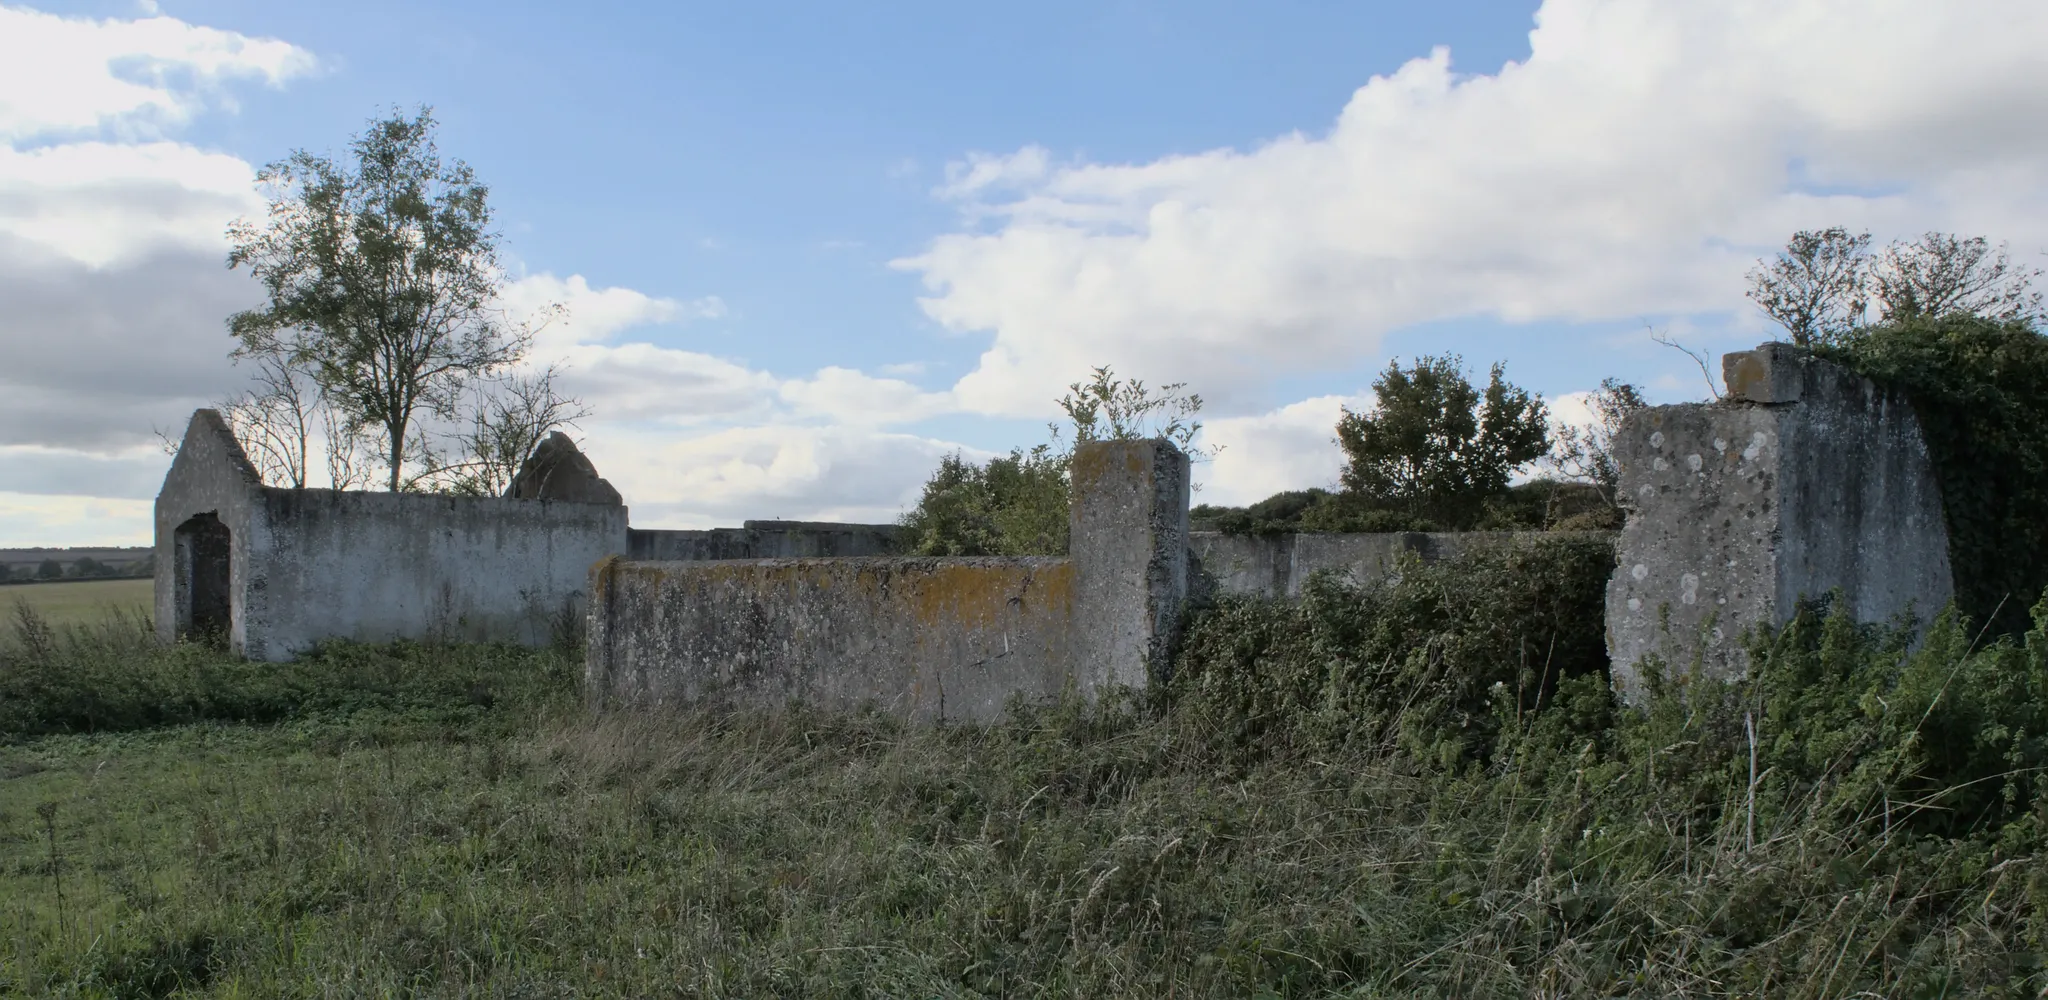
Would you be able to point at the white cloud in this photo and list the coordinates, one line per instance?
(107, 205)
(856, 398)
(65, 76)
(1635, 164)
(594, 315)
(112, 237)
(1291, 448)
(770, 471)
(36, 520)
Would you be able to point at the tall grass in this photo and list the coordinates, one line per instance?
(113, 675)
(1860, 818)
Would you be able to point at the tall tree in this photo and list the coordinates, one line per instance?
(382, 278)
(1436, 446)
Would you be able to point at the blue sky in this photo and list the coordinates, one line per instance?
(808, 248)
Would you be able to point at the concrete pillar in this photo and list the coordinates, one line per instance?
(1129, 547)
(1805, 479)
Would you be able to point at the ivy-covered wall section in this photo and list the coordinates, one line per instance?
(1980, 389)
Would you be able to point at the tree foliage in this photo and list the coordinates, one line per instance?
(381, 276)
(1818, 286)
(1014, 505)
(1825, 283)
(1436, 447)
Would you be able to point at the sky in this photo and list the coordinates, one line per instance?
(806, 249)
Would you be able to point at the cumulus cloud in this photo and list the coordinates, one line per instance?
(1636, 163)
(1290, 448)
(62, 76)
(771, 471)
(593, 315)
(111, 237)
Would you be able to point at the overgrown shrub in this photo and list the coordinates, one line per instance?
(1950, 738)
(1016, 505)
(1420, 660)
(1980, 389)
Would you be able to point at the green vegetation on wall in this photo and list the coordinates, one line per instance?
(1980, 390)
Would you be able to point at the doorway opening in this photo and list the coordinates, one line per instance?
(205, 609)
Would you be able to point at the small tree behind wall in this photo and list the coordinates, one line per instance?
(1016, 504)
(1436, 448)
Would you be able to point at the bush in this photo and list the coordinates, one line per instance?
(1536, 505)
(1013, 506)
(1421, 660)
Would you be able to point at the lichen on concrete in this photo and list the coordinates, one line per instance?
(929, 639)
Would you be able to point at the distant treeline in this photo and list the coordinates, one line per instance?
(45, 565)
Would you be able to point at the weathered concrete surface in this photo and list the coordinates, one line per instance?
(288, 568)
(1804, 480)
(1129, 543)
(380, 566)
(766, 540)
(558, 470)
(1280, 565)
(1249, 565)
(932, 640)
(211, 483)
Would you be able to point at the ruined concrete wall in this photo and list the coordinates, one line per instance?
(932, 640)
(211, 475)
(766, 540)
(1279, 565)
(381, 566)
(1805, 479)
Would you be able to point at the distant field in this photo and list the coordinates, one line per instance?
(78, 602)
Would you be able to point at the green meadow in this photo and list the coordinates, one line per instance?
(1309, 809)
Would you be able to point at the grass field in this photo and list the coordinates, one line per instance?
(78, 602)
(422, 820)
